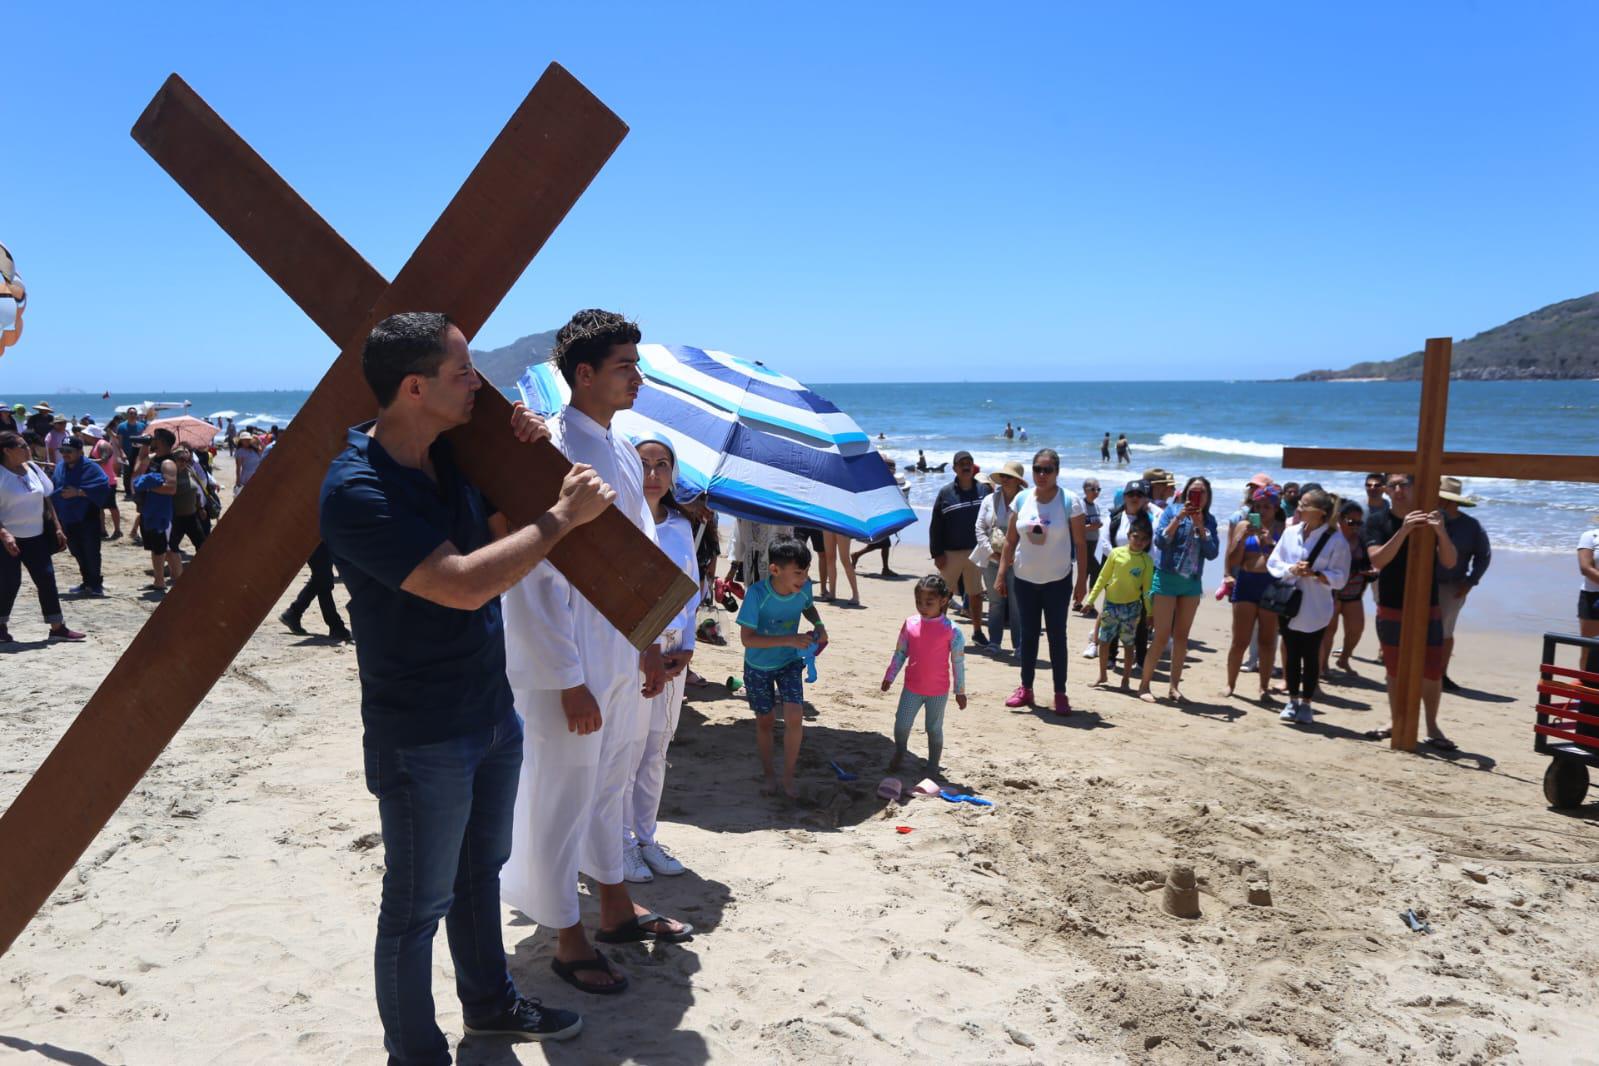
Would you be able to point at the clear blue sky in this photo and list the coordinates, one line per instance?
(850, 192)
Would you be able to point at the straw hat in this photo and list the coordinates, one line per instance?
(46, 408)
(1449, 489)
(1156, 475)
(1009, 468)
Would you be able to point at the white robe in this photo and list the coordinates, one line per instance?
(642, 801)
(569, 804)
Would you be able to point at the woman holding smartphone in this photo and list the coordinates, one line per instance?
(1185, 536)
(1250, 545)
(1043, 540)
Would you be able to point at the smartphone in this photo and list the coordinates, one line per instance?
(1254, 520)
(1196, 497)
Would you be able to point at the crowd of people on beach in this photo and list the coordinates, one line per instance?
(514, 740)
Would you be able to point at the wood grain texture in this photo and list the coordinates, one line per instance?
(536, 169)
(1422, 544)
(1517, 467)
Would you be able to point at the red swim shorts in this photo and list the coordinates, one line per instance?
(1388, 634)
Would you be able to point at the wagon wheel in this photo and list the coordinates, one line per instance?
(1565, 783)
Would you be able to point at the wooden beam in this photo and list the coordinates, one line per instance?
(1575, 468)
(277, 229)
(527, 181)
(1422, 543)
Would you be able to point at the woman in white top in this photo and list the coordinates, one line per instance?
(24, 540)
(246, 457)
(1044, 538)
(1318, 578)
(1588, 598)
(643, 856)
(993, 523)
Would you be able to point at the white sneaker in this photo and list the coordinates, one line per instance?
(1304, 716)
(1251, 664)
(1290, 712)
(633, 867)
(660, 860)
(1092, 651)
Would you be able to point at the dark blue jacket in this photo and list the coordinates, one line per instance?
(87, 476)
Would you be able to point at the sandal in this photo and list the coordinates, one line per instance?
(568, 971)
(632, 931)
(1441, 744)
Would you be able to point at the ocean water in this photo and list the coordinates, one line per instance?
(1226, 431)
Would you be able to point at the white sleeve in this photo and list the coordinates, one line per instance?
(1334, 562)
(1282, 559)
(541, 631)
(1075, 508)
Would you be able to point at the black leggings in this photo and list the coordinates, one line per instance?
(1304, 661)
(1052, 600)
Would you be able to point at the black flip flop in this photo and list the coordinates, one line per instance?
(568, 971)
(1441, 744)
(632, 931)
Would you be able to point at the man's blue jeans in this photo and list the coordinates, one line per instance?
(446, 815)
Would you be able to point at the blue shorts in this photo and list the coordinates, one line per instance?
(767, 688)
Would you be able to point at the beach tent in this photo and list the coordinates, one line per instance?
(259, 422)
(763, 446)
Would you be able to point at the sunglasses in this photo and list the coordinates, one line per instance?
(1045, 469)
(1350, 521)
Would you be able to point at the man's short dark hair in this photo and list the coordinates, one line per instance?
(411, 342)
(164, 435)
(588, 338)
(1380, 477)
(787, 551)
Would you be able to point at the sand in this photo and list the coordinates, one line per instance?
(225, 915)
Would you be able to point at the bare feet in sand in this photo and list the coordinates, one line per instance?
(1147, 696)
(769, 785)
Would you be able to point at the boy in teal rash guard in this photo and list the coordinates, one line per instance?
(773, 668)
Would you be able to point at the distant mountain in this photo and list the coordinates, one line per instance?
(1560, 341)
(504, 366)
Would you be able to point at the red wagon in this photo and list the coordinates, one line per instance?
(1568, 719)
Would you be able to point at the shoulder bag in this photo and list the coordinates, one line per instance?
(1283, 596)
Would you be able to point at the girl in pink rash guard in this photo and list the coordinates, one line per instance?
(932, 651)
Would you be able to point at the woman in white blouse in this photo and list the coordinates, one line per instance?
(1315, 556)
(25, 541)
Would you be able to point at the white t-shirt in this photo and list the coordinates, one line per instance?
(22, 500)
(1589, 540)
(1050, 560)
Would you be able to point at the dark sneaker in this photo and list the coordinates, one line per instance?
(529, 1020)
(341, 635)
(293, 622)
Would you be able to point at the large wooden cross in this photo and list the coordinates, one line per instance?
(1427, 463)
(532, 174)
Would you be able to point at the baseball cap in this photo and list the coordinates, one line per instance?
(1260, 481)
(961, 456)
(1138, 485)
(72, 444)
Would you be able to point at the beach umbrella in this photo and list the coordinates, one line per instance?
(221, 416)
(760, 444)
(13, 300)
(194, 432)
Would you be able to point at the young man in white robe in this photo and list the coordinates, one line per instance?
(582, 689)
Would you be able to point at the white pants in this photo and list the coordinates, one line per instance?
(642, 801)
(569, 804)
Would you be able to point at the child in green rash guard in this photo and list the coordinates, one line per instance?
(1126, 579)
(773, 668)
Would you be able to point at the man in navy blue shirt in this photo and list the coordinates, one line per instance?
(443, 744)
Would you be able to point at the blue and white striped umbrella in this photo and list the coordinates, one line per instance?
(763, 446)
